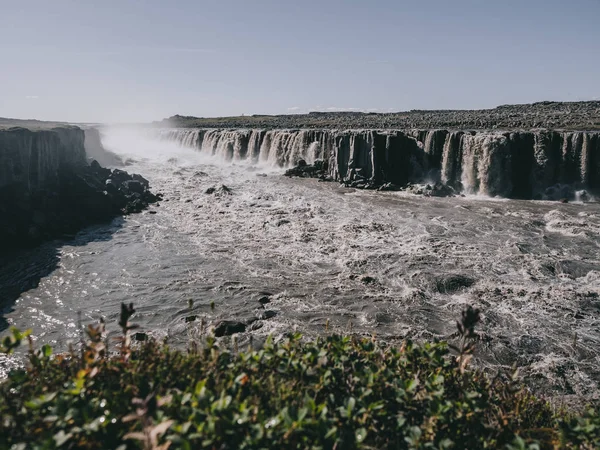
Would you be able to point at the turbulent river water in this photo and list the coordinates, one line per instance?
(391, 264)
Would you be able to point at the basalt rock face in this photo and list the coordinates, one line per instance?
(47, 187)
(515, 164)
(32, 159)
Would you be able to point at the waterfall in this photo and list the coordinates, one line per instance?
(517, 164)
(451, 156)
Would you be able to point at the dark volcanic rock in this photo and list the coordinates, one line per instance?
(218, 191)
(62, 194)
(266, 314)
(264, 300)
(554, 115)
(320, 169)
(229, 327)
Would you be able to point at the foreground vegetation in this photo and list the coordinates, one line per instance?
(332, 393)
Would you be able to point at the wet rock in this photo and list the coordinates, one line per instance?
(264, 300)
(140, 179)
(229, 327)
(256, 325)
(266, 314)
(218, 190)
(440, 190)
(134, 186)
(320, 169)
(366, 279)
(140, 336)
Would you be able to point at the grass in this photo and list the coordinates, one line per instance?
(335, 392)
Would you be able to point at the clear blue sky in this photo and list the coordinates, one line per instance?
(144, 60)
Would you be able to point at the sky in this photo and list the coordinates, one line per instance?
(137, 61)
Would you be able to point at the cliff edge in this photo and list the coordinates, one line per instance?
(48, 188)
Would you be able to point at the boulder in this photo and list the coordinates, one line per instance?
(229, 327)
(134, 186)
(266, 314)
(218, 191)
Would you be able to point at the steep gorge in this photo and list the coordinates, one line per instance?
(518, 164)
(47, 187)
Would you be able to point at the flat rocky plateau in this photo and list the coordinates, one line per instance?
(583, 116)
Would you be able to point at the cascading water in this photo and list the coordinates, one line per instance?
(515, 164)
(273, 148)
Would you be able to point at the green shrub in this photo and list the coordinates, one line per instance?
(336, 392)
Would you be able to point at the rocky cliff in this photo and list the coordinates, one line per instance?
(47, 187)
(31, 159)
(516, 164)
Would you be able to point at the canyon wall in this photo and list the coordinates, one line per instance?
(31, 159)
(48, 189)
(517, 164)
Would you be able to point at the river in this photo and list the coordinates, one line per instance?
(333, 259)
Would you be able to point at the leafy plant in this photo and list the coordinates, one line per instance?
(334, 392)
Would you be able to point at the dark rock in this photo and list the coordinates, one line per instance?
(134, 186)
(229, 327)
(141, 180)
(322, 165)
(79, 196)
(119, 176)
(218, 191)
(140, 336)
(366, 279)
(111, 188)
(256, 325)
(441, 190)
(317, 170)
(266, 314)
(264, 300)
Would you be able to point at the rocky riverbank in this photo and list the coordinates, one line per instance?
(47, 188)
